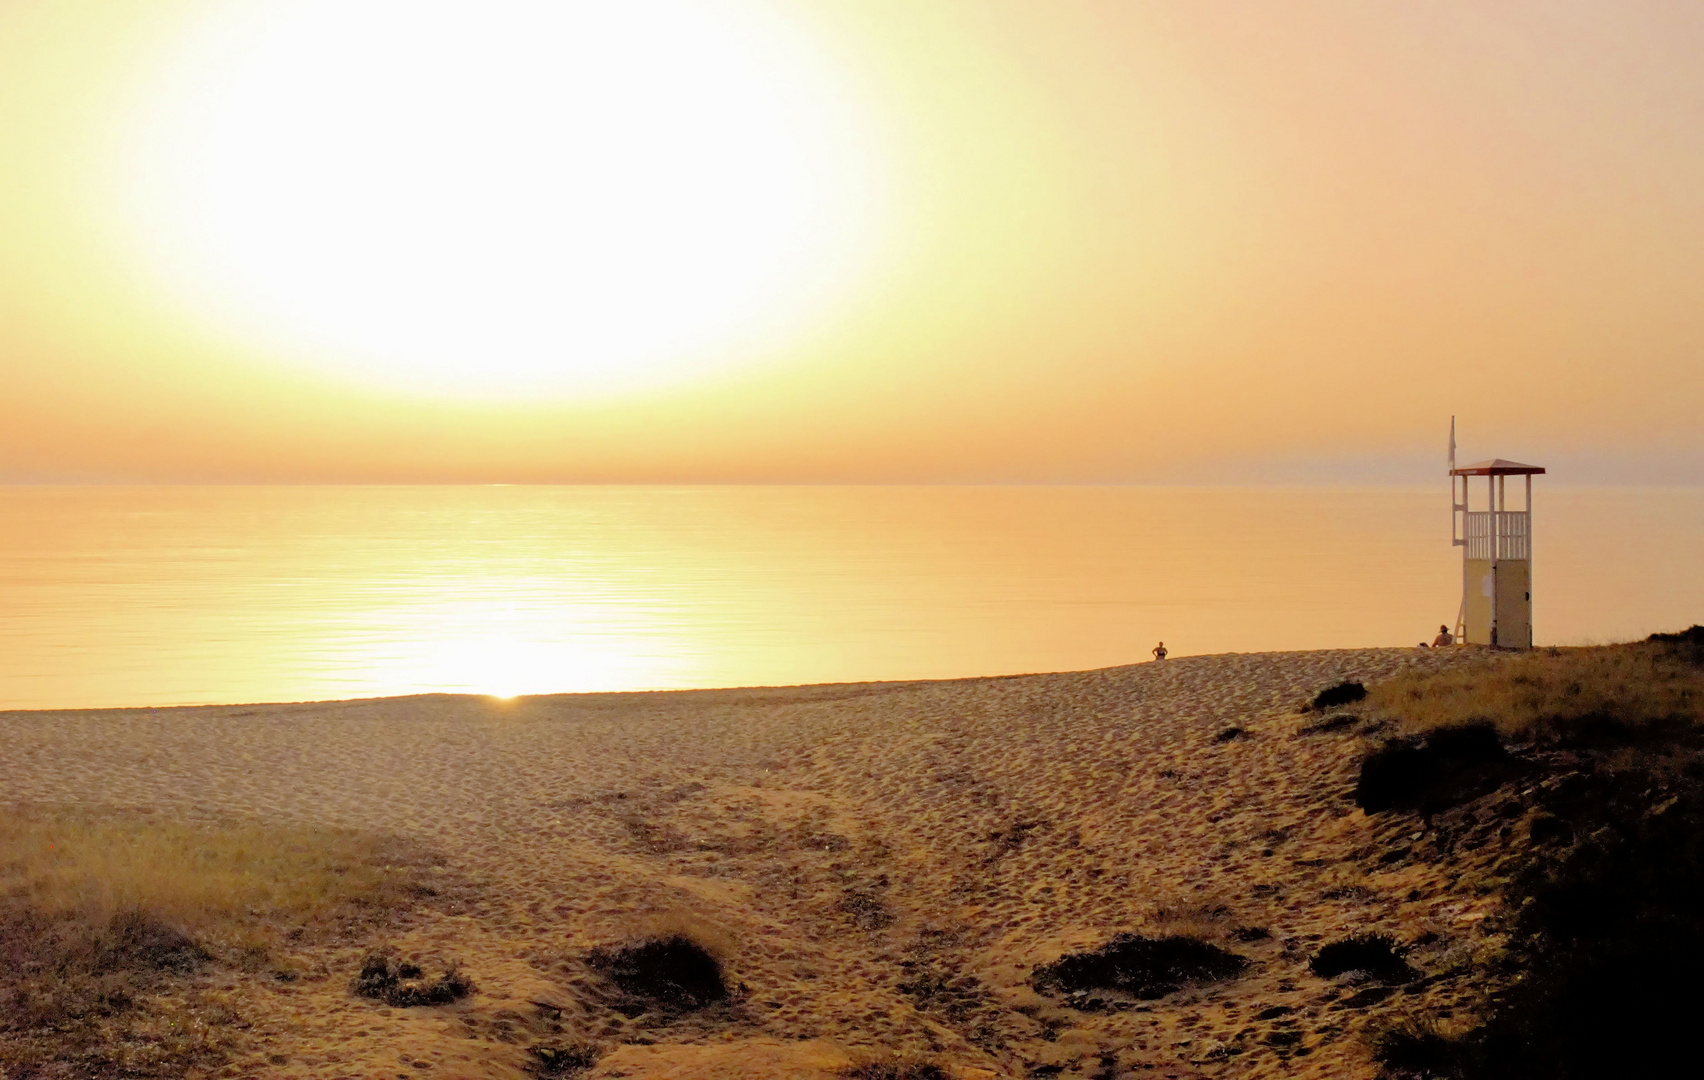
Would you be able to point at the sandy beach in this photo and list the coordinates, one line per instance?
(884, 865)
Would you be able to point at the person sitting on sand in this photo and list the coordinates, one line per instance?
(1444, 638)
(1160, 651)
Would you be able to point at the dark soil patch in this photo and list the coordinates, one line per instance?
(1375, 954)
(1450, 766)
(1229, 734)
(403, 985)
(673, 973)
(1247, 934)
(1145, 968)
(1344, 693)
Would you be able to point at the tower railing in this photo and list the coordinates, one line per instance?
(1497, 534)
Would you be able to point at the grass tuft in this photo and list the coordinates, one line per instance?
(895, 1066)
(566, 1059)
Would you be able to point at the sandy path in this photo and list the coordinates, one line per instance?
(888, 861)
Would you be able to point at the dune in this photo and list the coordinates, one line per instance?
(879, 868)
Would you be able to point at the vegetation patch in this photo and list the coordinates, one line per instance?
(673, 972)
(1603, 924)
(1142, 967)
(1450, 765)
(105, 916)
(895, 1067)
(564, 1060)
(1375, 954)
(1587, 696)
(403, 984)
(1609, 938)
(1332, 697)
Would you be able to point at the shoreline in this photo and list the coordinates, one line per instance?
(469, 695)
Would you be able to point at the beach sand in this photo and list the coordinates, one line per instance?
(883, 865)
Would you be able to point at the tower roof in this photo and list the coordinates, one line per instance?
(1497, 467)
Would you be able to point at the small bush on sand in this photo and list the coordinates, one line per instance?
(1449, 766)
(1374, 954)
(1556, 694)
(102, 914)
(565, 1060)
(895, 1067)
(402, 984)
(675, 973)
(1143, 967)
(1417, 1048)
(1344, 693)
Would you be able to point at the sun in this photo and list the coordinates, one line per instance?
(510, 198)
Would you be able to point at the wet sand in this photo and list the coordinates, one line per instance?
(884, 864)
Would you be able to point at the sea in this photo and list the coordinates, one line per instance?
(154, 596)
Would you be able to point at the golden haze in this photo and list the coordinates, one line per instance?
(1093, 241)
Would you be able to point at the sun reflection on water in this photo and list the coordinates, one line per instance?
(139, 596)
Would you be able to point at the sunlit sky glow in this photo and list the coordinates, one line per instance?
(517, 198)
(848, 240)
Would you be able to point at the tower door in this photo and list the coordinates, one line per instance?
(1514, 603)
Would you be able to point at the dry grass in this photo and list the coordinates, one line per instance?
(106, 915)
(895, 1066)
(1554, 693)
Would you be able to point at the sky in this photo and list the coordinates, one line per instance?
(865, 241)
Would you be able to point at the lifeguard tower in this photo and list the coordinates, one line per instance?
(1496, 564)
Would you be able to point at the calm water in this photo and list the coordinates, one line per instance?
(144, 596)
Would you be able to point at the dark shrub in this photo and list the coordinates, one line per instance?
(566, 1060)
(1451, 766)
(1142, 967)
(1396, 774)
(1230, 733)
(896, 1067)
(1374, 954)
(1344, 693)
(1466, 744)
(403, 985)
(1692, 635)
(673, 972)
(1609, 938)
(1415, 1049)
